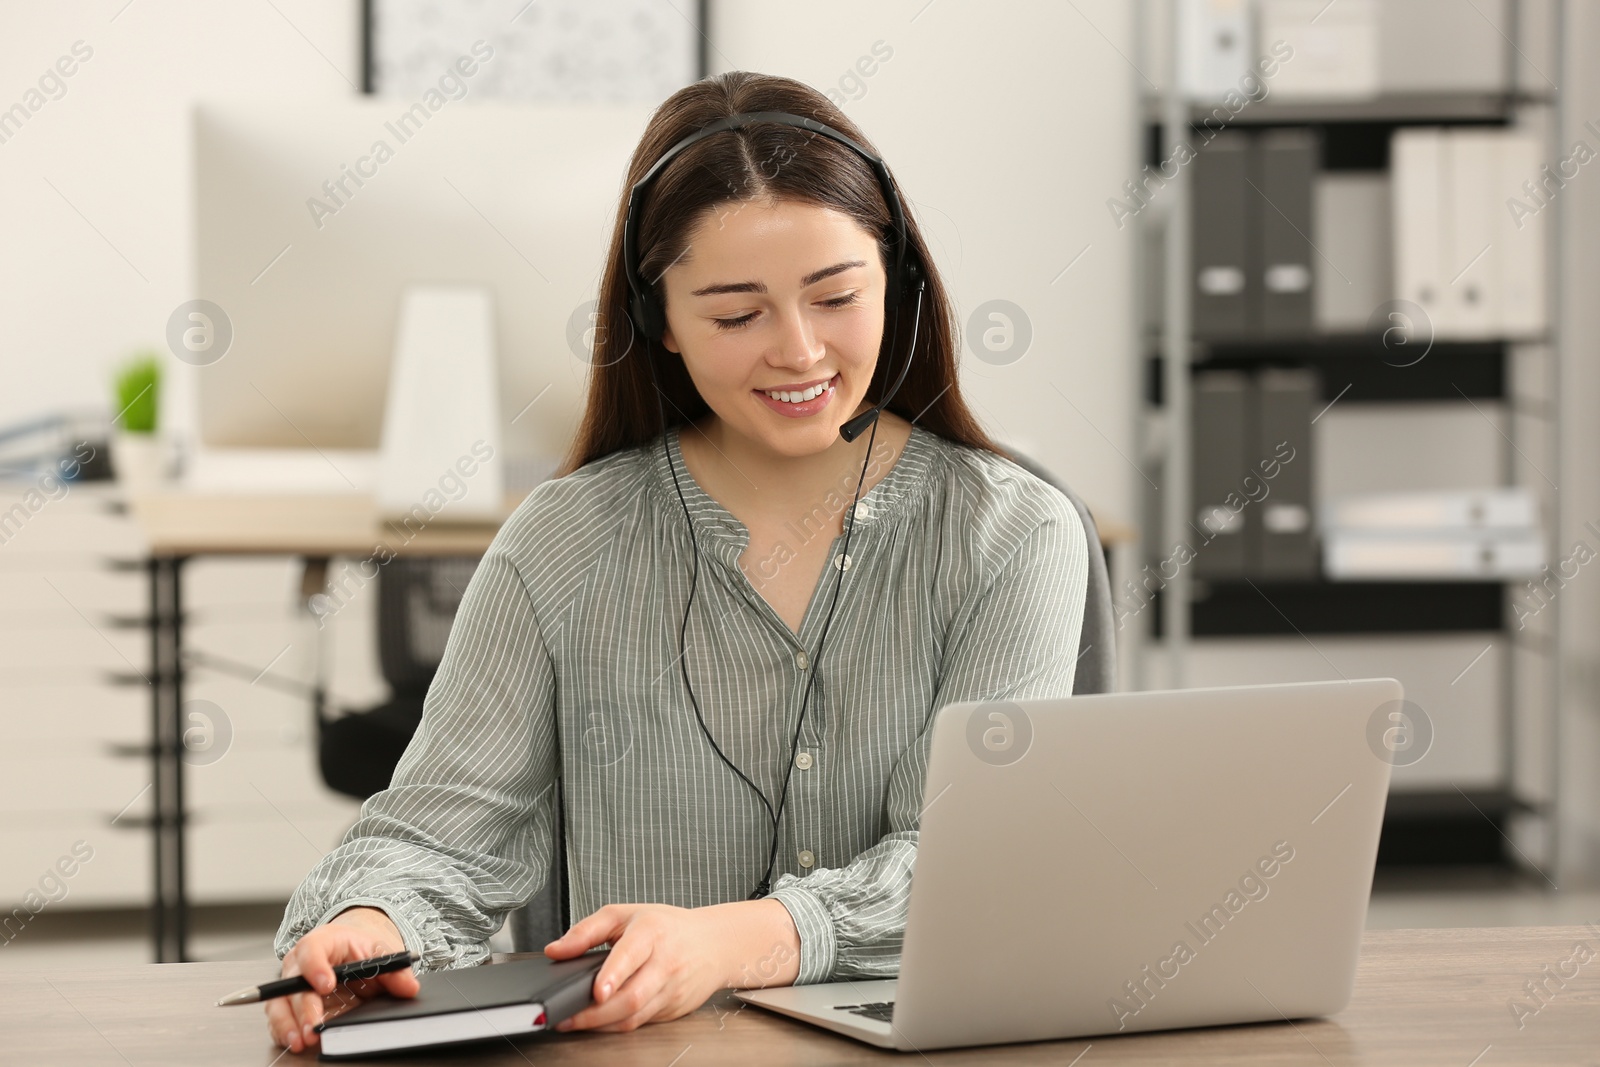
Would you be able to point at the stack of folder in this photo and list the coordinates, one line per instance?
(1464, 534)
(1252, 234)
(1286, 250)
(1469, 225)
(1251, 474)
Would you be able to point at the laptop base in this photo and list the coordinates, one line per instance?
(820, 1005)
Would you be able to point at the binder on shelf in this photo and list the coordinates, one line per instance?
(1286, 162)
(1216, 47)
(1415, 179)
(1507, 508)
(1250, 474)
(1336, 48)
(1362, 49)
(1223, 298)
(1443, 554)
(1469, 200)
(1219, 462)
(1426, 46)
(1469, 237)
(1285, 534)
(1351, 218)
(1489, 533)
(1253, 235)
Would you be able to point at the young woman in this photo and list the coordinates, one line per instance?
(742, 771)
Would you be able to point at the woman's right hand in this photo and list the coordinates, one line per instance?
(357, 933)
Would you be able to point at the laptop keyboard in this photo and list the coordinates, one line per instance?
(882, 1010)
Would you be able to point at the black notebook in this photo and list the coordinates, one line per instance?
(467, 1004)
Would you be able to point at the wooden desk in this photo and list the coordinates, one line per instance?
(343, 524)
(178, 525)
(311, 524)
(1422, 997)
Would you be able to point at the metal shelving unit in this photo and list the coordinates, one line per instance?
(1480, 372)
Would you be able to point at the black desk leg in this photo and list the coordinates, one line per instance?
(169, 906)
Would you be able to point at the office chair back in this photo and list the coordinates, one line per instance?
(1097, 645)
(417, 601)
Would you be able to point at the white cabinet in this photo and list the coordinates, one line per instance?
(75, 714)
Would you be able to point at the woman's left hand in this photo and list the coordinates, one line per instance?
(665, 961)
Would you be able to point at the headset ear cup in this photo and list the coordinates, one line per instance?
(642, 310)
(635, 314)
(908, 281)
(655, 318)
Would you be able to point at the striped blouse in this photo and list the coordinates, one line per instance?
(965, 580)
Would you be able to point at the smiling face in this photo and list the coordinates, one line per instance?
(781, 297)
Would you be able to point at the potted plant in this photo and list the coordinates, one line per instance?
(137, 454)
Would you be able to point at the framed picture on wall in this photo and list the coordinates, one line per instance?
(602, 50)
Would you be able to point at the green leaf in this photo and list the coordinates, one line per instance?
(138, 393)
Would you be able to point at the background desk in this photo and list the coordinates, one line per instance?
(1422, 997)
(177, 526)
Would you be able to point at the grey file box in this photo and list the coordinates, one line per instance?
(1286, 165)
(1220, 425)
(1223, 286)
(1285, 524)
(1254, 232)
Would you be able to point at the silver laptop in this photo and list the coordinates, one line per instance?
(1132, 861)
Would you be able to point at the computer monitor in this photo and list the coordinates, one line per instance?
(311, 219)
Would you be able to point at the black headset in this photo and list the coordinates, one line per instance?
(905, 276)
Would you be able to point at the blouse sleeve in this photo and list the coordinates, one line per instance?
(1017, 640)
(463, 833)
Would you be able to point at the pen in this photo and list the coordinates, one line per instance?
(345, 972)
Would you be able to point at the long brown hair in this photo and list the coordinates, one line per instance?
(621, 410)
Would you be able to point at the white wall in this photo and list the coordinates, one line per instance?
(1008, 126)
(95, 185)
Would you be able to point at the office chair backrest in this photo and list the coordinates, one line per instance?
(417, 602)
(1097, 645)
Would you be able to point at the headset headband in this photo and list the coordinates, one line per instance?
(648, 317)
